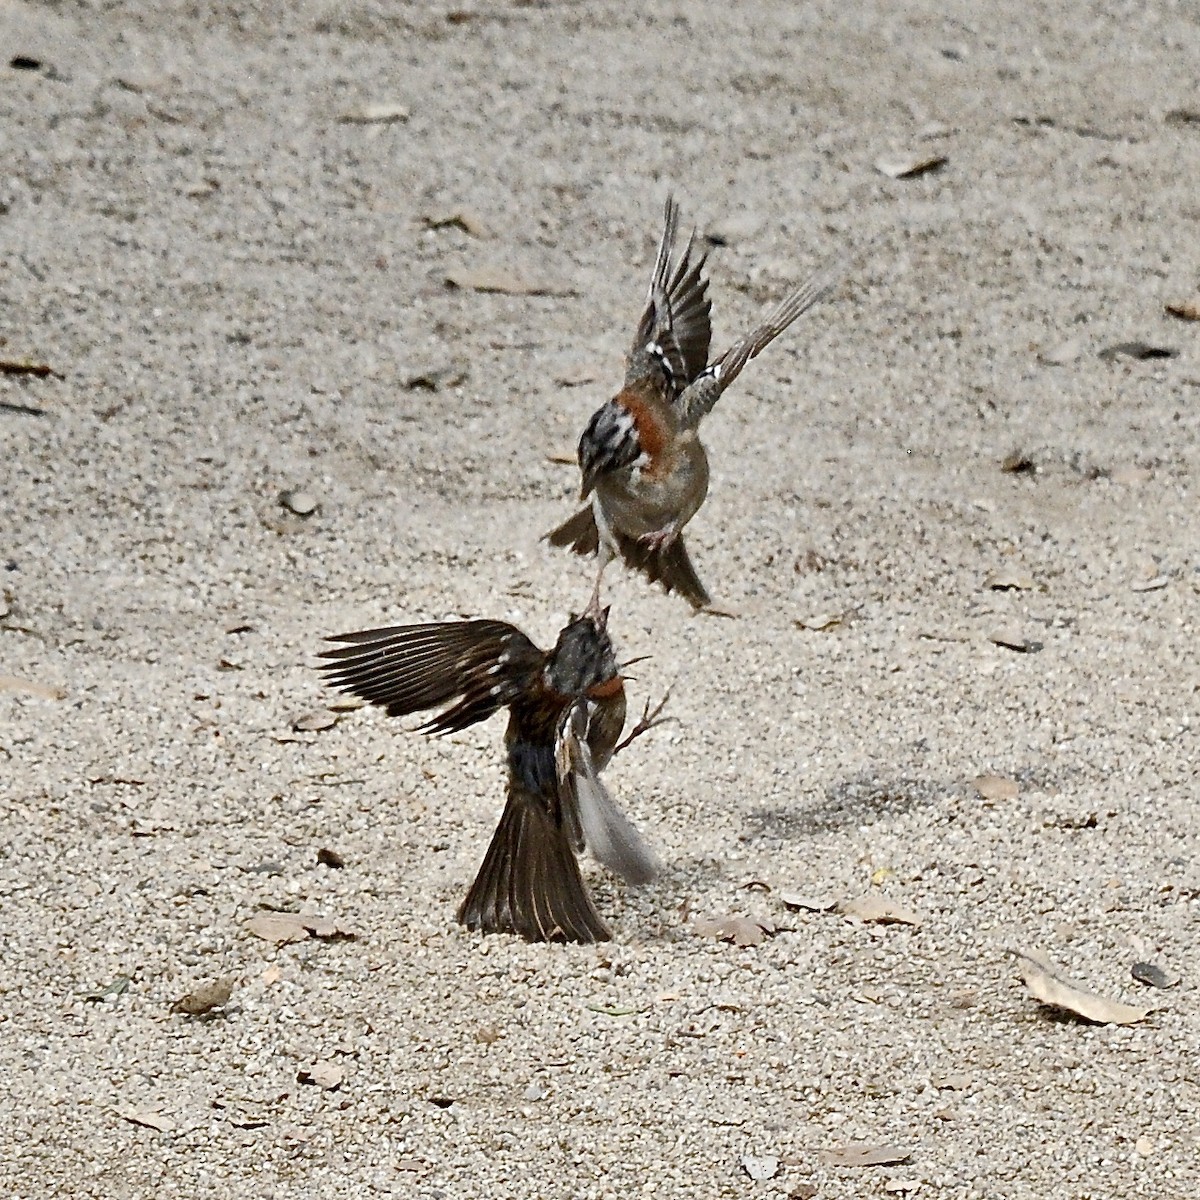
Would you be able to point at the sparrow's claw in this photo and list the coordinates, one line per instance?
(660, 539)
(647, 721)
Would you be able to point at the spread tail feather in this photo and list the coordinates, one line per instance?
(579, 533)
(530, 883)
(671, 566)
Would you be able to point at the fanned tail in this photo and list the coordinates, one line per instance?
(529, 883)
(671, 566)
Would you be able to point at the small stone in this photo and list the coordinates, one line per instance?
(300, 502)
(760, 1167)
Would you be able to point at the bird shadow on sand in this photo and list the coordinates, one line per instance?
(859, 800)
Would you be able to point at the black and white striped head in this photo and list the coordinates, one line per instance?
(609, 443)
(582, 657)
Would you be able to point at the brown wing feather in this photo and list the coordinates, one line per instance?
(673, 336)
(479, 665)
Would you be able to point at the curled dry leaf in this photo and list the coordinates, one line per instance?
(809, 903)
(435, 376)
(741, 931)
(1008, 579)
(375, 114)
(1186, 310)
(205, 998)
(458, 218)
(1012, 639)
(149, 1118)
(1017, 462)
(282, 928)
(325, 1075)
(1047, 983)
(863, 1155)
(909, 166)
(821, 622)
(1139, 351)
(878, 908)
(497, 279)
(9, 366)
(996, 787)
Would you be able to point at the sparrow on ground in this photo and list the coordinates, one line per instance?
(566, 714)
(643, 466)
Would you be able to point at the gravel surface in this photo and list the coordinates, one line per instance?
(228, 229)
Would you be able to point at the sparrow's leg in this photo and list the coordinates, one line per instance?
(604, 557)
(646, 722)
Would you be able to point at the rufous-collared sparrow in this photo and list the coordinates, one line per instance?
(643, 465)
(566, 714)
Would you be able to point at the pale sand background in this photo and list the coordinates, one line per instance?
(236, 286)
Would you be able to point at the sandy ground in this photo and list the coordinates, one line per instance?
(243, 295)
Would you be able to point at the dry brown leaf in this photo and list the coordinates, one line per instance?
(46, 691)
(1017, 462)
(863, 1155)
(497, 279)
(327, 929)
(325, 1075)
(459, 218)
(1009, 579)
(1011, 639)
(878, 908)
(9, 366)
(150, 1118)
(280, 928)
(809, 903)
(909, 166)
(996, 787)
(956, 1081)
(205, 998)
(741, 931)
(1047, 983)
(1139, 351)
(820, 623)
(1186, 310)
(315, 721)
(375, 114)
(1153, 976)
